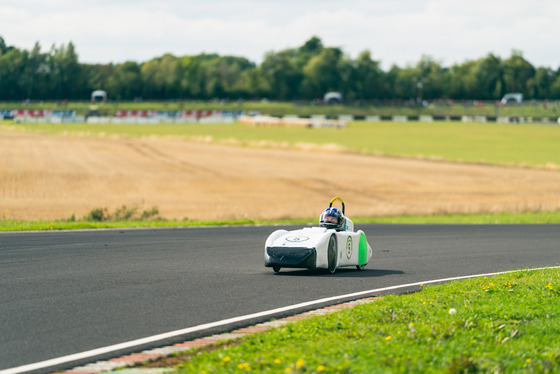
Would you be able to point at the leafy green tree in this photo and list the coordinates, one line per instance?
(517, 73)
(542, 83)
(190, 77)
(555, 88)
(323, 73)
(12, 65)
(252, 84)
(69, 81)
(367, 80)
(403, 82)
(35, 77)
(490, 78)
(161, 77)
(126, 81)
(430, 80)
(96, 76)
(221, 74)
(283, 75)
(311, 48)
(305, 72)
(4, 48)
(463, 82)
(230, 70)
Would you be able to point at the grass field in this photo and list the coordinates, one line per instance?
(508, 323)
(501, 144)
(533, 146)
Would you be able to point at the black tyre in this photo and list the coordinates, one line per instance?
(361, 267)
(332, 253)
(276, 268)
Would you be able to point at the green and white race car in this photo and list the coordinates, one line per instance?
(332, 245)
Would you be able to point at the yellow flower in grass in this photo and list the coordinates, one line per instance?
(300, 363)
(387, 338)
(244, 366)
(321, 368)
(550, 286)
(226, 359)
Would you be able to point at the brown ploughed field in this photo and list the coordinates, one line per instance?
(52, 177)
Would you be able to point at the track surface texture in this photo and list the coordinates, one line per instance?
(69, 292)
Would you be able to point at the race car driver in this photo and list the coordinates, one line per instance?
(332, 218)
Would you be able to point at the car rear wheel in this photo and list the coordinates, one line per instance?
(276, 268)
(361, 267)
(332, 253)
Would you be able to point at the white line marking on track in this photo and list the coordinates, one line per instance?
(172, 334)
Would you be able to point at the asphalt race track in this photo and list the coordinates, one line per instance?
(68, 292)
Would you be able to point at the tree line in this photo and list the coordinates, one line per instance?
(303, 73)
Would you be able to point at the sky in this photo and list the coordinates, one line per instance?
(394, 31)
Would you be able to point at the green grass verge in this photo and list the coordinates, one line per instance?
(508, 323)
(500, 144)
(552, 217)
(21, 225)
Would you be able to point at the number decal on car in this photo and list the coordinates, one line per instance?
(296, 239)
(349, 247)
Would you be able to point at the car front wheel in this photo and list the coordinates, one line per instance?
(332, 253)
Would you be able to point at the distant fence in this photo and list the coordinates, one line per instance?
(37, 113)
(122, 116)
(479, 119)
(217, 116)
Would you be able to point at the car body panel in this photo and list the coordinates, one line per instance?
(308, 248)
